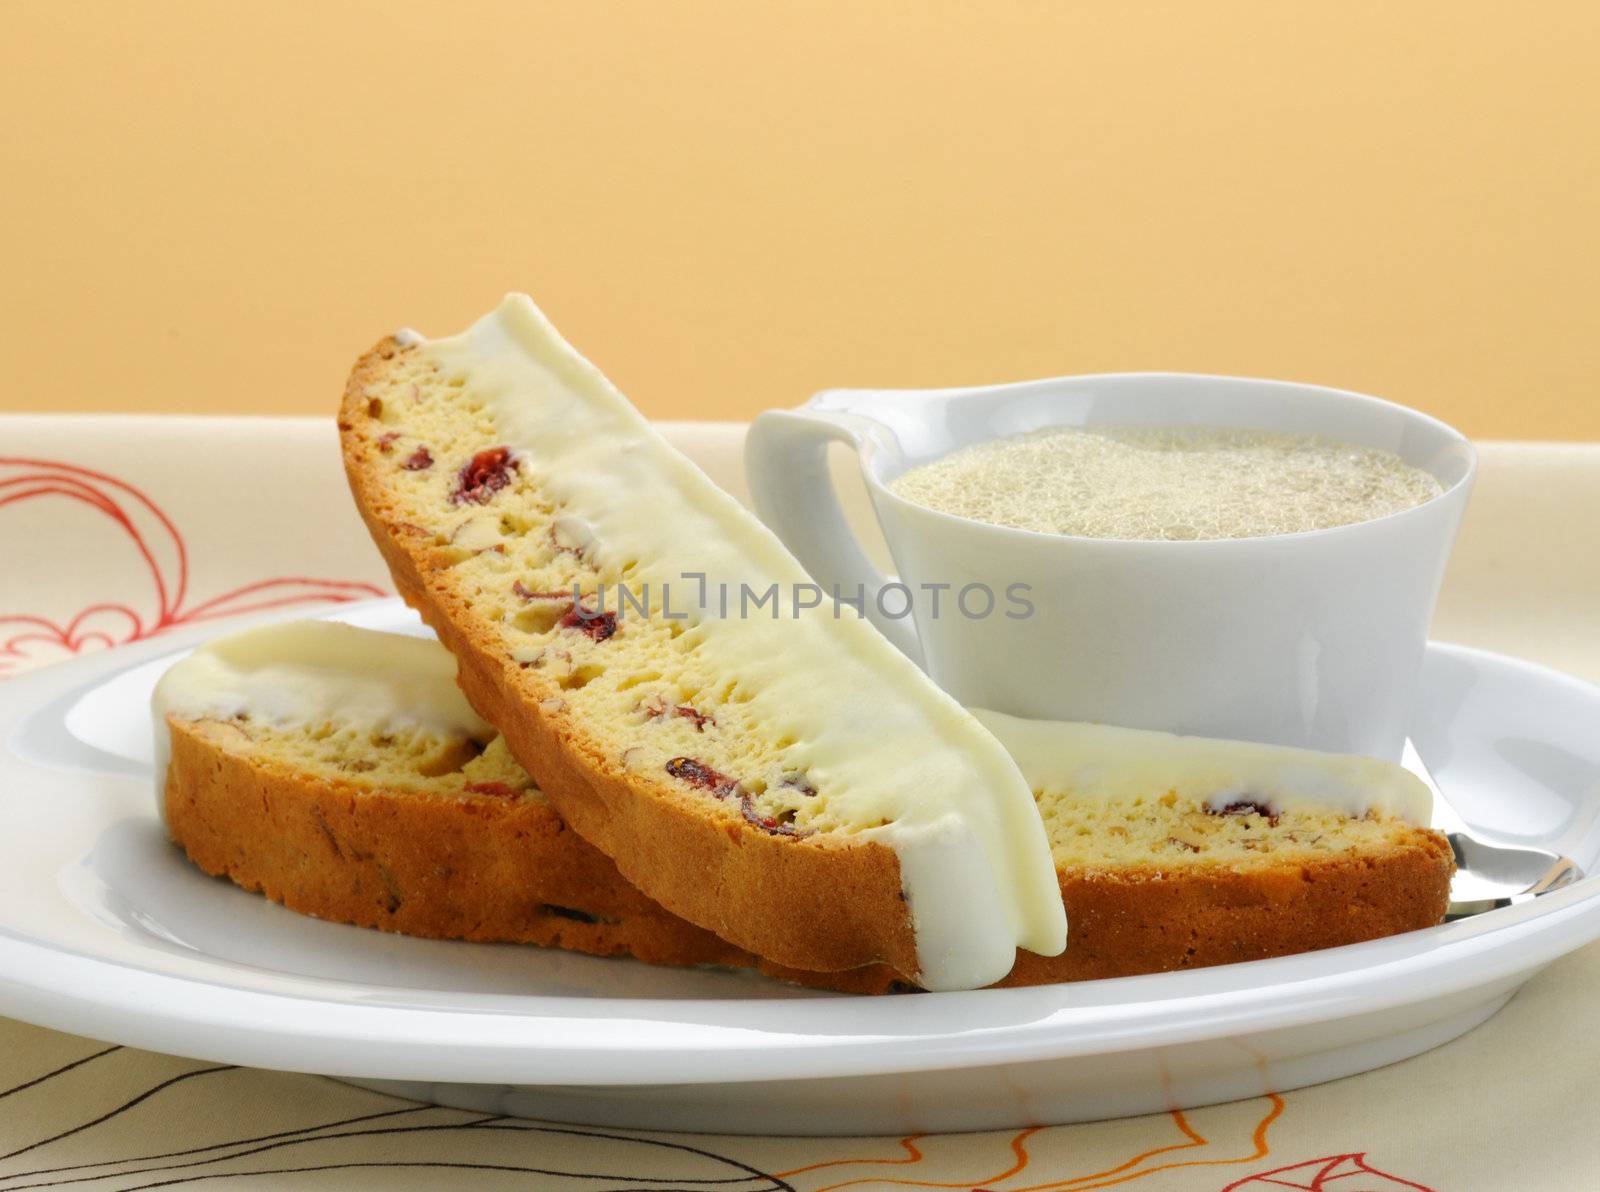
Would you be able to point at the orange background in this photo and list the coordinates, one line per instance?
(212, 206)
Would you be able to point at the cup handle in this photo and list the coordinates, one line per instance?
(786, 467)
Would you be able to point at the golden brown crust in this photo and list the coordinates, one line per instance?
(819, 903)
(1128, 922)
(482, 868)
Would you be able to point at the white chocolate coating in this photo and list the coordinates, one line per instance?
(315, 672)
(1098, 761)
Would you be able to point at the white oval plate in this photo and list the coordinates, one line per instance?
(106, 930)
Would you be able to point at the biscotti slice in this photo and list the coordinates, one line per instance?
(770, 770)
(1177, 852)
(1185, 852)
(341, 773)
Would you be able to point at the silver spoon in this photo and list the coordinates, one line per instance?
(1489, 875)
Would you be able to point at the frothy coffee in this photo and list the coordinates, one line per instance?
(1168, 482)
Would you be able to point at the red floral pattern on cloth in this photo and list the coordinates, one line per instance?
(27, 638)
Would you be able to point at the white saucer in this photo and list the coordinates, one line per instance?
(105, 930)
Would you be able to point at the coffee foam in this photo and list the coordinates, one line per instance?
(1168, 482)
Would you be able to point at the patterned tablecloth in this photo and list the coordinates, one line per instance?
(117, 529)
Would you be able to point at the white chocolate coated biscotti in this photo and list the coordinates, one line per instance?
(341, 772)
(783, 777)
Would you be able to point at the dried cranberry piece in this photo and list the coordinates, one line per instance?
(419, 460)
(598, 626)
(1245, 807)
(386, 441)
(484, 475)
(700, 719)
(697, 773)
(498, 789)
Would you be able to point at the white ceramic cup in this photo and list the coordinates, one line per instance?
(1311, 639)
